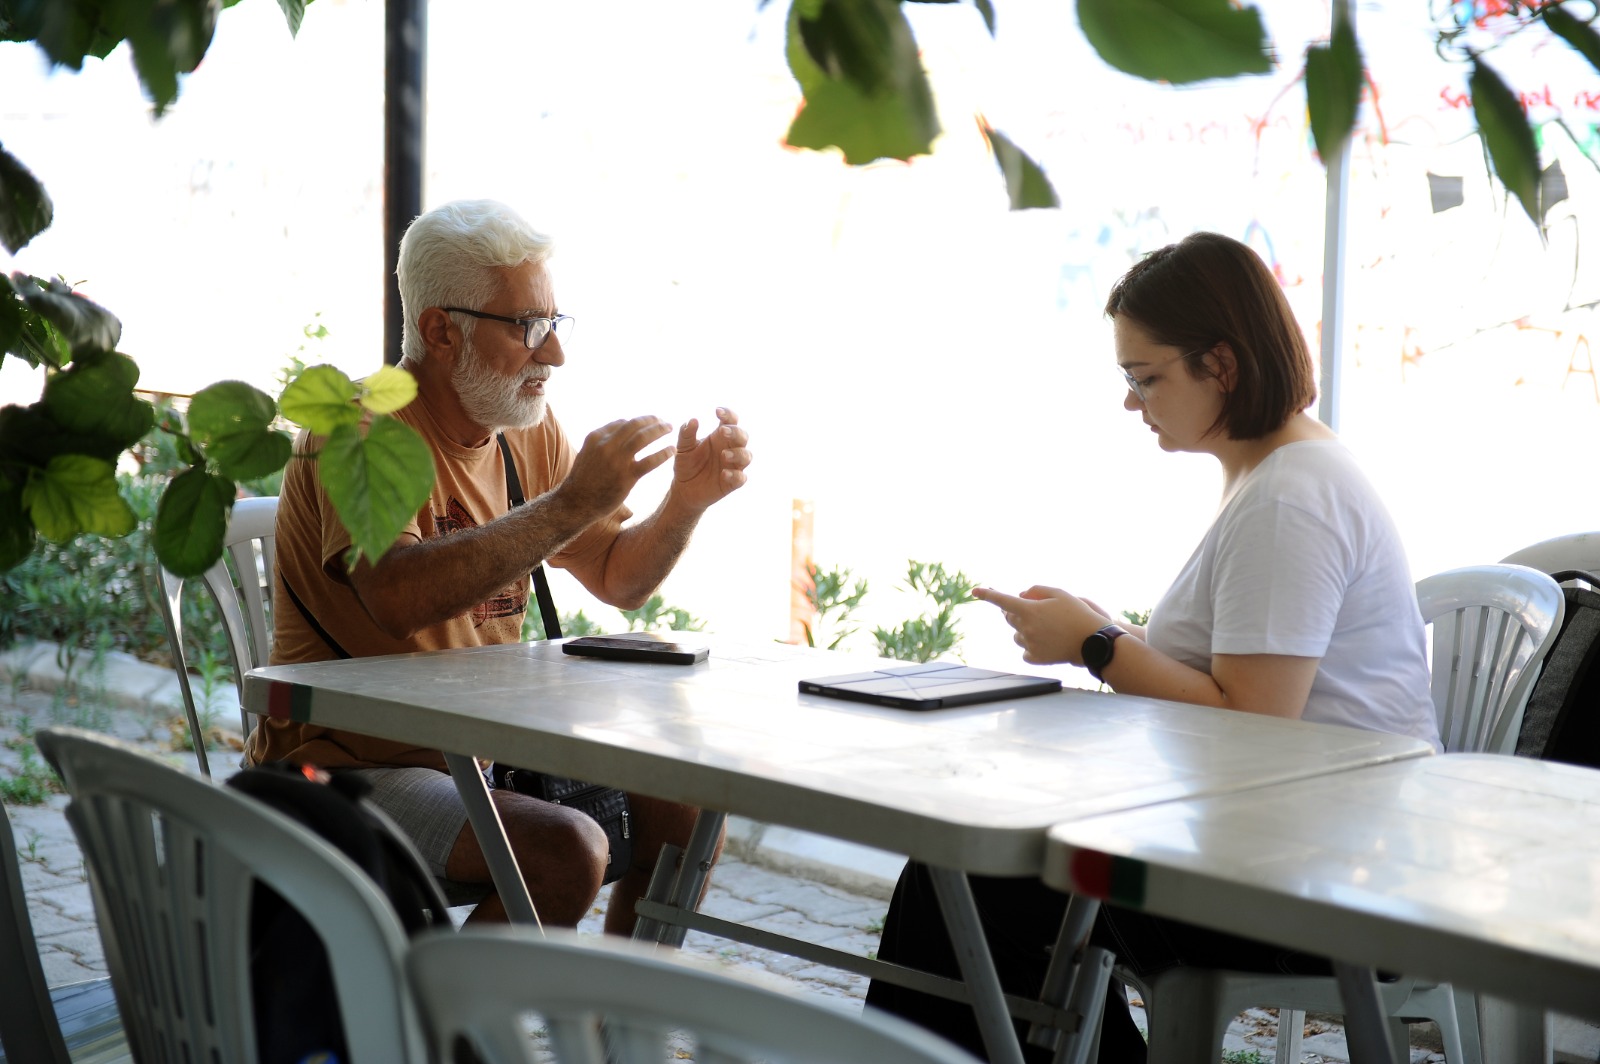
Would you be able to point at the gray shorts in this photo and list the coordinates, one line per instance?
(426, 805)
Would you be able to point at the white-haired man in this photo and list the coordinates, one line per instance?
(483, 332)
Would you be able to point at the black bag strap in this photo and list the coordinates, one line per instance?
(333, 644)
(541, 585)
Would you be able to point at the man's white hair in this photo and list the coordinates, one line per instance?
(446, 257)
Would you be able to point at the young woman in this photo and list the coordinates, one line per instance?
(1298, 602)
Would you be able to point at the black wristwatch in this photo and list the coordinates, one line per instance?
(1098, 649)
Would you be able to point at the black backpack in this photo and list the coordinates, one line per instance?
(1562, 721)
(296, 1008)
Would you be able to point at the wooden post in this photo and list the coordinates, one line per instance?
(800, 557)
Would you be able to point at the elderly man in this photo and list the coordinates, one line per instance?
(483, 334)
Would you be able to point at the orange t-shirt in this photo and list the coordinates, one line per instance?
(469, 490)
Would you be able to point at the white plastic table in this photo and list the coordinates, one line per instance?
(968, 790)
(1477, 869)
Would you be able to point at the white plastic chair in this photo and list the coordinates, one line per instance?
(1577, 550)
(172, 861)
(481, 985)
(249, 543)
(1492, 626)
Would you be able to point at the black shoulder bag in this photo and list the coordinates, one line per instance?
(607, 806)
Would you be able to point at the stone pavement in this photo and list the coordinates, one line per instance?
(774, 878)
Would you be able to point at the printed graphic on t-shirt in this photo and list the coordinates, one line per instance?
(510, 602)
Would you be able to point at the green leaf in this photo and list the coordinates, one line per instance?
(83, 325)
(376, 482)
(232, 422)
(388, 390)
(12, 310)
(1026, 183)
(76, 493)
(191, 521)
(25, 208)
(16, 531)
(986, 9)
(94, 398)
(1333, 90)
(322, 399)
(1177, 41)
(228, 407)
(850, 41)
(1506, 136)
(1575, 32)
(294, 12)
(896, 121)
(170, 40)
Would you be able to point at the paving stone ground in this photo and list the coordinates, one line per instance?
(765, 889)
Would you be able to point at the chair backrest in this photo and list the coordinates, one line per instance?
(172, 863)
(1577, 550)
(249, 544)
(28, 1028)
(481, 985)
(1492, 627)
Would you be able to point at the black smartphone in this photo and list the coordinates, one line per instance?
(636, 646)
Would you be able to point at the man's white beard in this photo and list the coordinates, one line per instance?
(491, 400)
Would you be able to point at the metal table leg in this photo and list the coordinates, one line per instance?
(1078, 977)
(485, 821)
(977, 966)
(693, 871)
(1366, 1026)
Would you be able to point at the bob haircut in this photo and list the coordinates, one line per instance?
(447, 258)
(1209, 289)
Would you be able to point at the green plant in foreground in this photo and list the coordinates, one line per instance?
(928, 637)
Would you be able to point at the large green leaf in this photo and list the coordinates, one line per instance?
(1574, 31)
(170, 40)
(1506, 136)
(851, 41)
(25, 207)
(896, 120)
(76, 493)
(16, 531)
(1333, 89)
(322, 399)
(94, 398)
(1026, 183)
(376, 482)
(191, 521)
(85, 326)
(232, 422)
(12, 310)
(1177, 41)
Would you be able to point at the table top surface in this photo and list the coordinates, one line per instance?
(1480, 869)
(973, 788)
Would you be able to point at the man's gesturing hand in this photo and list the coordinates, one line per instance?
(608, 465)
(703, 471)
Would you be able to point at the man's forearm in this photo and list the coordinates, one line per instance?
(441, 577)
(645, 552)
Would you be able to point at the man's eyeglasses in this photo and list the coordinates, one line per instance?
(535, 331)
(1137, 385)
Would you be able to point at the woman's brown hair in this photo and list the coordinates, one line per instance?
(1209, 289)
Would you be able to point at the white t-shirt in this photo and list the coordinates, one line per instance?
(1305, 561)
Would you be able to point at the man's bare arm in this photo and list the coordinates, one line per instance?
(423, 583)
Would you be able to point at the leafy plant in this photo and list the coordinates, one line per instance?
(826, 591)
(1138, 617)
(866, 93)
(655, 613)
(58, 456)
(571, 624)
(928, 637)
(33, 782)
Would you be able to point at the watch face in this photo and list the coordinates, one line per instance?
(1096, 652)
